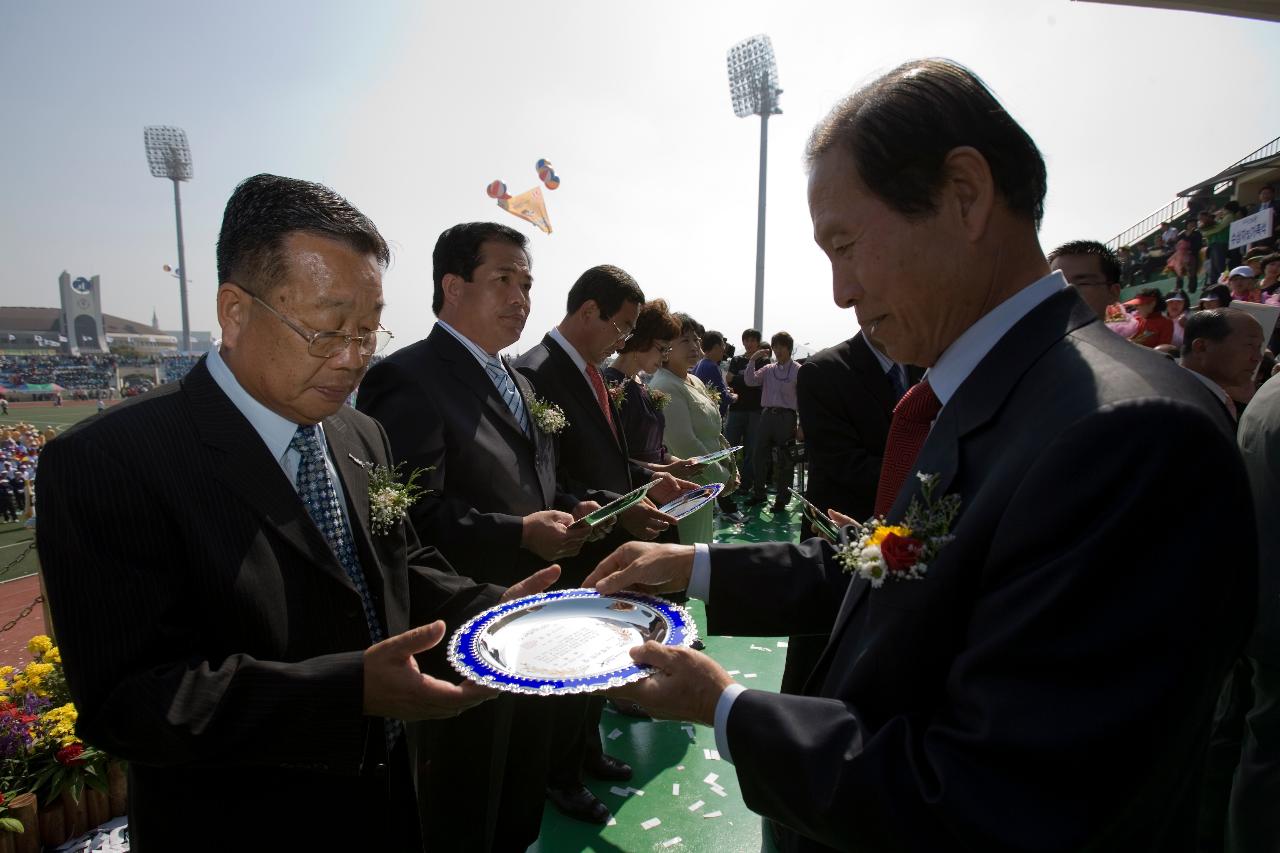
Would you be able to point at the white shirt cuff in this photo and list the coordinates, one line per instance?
(700, 577)
(723, 706)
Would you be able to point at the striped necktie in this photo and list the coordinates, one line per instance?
(508, 391)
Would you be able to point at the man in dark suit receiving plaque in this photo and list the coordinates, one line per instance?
(236, 614)
(594, 462)
(1010, 664)
(455, 409)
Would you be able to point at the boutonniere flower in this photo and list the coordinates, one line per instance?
(714, 393)
(903, 551)
(389, 498)
(548, 416)
(659, 399)
(618, 393)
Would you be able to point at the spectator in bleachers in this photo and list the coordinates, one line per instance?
(1269, 286)
(1217, 296)
(1216, 231)
(1155, 259)
(1244, 284)
(1168, 235)
(1190, 239)
(1124, 255)
(1092, 269)
(1154, 328)
(1175, 308)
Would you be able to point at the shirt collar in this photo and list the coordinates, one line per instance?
(276, 431)
(480, 355)
(1218, 391)
(967, 351)
(886, 364)
(570, 349)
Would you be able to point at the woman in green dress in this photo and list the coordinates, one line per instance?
(693, 424)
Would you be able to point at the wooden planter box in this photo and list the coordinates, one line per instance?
(51, 824)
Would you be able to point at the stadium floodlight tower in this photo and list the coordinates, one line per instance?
(169, 156)
(753, 86)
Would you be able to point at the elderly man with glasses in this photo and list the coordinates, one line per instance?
(233, 616)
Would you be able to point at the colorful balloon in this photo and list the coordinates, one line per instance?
(498, 190)
(547, 173)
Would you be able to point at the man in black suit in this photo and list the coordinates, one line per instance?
(593, 462)
(231, 621)
(845, 395)
(455, 409)
(1046, 679)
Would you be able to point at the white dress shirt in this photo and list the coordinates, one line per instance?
(954, 366)
(275, 431)
(575, 355)
(1219, 392)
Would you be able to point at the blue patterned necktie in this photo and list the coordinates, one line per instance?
(320, 495)
(507, 390)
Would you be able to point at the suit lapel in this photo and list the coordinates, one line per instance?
(977, 400)
(867, 367)
(543, 444)
(467, 372)
(580, 388)
(250, 472)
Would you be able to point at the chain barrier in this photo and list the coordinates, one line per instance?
(26, 611)
(16, 560)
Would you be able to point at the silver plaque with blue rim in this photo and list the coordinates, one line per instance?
(566, 641)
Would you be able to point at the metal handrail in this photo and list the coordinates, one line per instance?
(1178, 206)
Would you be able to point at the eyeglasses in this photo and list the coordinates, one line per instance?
(329, 344)
(622, 336)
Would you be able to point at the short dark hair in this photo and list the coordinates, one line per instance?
(1212, 324)
(1220, 292)
(457, 252)
(265, 209)
(1270, 259)
(711, 340)
(688, 324)
(752, 333)
(1154, 293)
(783, 339)
(653, 323)
(608, 286)
(1106, 258)
(900, 128)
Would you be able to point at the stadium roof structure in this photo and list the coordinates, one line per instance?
(1263, 10)
(50, 320)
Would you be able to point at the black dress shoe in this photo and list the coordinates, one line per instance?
(755, 501)
(579, 804)
(778, 508)
(607, 768)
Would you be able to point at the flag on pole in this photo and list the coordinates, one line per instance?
(530, 207)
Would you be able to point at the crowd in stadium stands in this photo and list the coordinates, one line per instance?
(1196, 251)
(19, 452)
(86, 376)
(176, 367)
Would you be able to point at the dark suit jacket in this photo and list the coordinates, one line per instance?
(440, 409)
(593, 461)
(1260, 444)
(593, 458)
(845, 405)
(1049, 684)
(209, 634)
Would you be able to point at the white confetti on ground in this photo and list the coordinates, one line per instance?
(711, 754)
(735, 671)
(782, 644)
(671, 842)
(613, 821)
(716, 789)
(749, 675)
(699, 804)
(675, 789)
(712, 814)
(650, 823)
(762, 648)
(711, 778)
(615, 734)
(621, 792)
(636, 791)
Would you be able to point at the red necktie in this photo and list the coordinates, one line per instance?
(602, 396)
(912, 418)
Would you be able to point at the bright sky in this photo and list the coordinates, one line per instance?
(410, 108)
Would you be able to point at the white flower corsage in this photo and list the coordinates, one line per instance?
(548, 416)
(390, 499)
